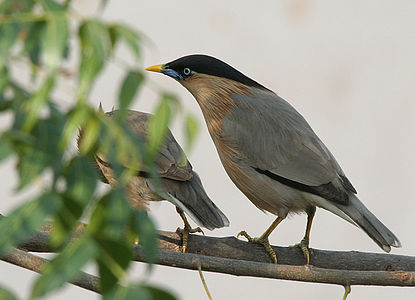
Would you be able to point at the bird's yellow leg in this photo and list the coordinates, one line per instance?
(263, 239)
(306, 240)
(186, 230)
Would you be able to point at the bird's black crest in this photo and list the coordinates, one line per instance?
(205, 64)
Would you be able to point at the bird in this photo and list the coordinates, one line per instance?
(180, 185)
(270, 152)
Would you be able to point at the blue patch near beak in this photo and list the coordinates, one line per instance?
(172, 73)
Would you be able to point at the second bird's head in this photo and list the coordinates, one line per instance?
(203, 75)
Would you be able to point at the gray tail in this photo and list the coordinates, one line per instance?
(374, 228)
(190, 196)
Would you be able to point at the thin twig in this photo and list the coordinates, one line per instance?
(35, 263)
(198, 266)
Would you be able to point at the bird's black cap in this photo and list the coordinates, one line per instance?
(209, 65)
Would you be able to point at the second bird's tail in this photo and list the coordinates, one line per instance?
(367, 221)
(191, 198)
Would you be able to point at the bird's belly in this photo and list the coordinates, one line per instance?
(265, 193)
(138, 193)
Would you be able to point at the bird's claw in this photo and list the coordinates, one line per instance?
(185, 235)
(263, 241)
(303, 245)
(246, 235)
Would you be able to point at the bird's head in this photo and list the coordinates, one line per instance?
(203, 74)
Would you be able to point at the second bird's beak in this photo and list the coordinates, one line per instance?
(156, 68)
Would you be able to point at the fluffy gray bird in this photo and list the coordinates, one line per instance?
(270, 151)
(180, 185)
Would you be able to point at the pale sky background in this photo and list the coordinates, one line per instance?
(347, 66)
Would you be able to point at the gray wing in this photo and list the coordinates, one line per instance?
(171, 161)
(278, 142)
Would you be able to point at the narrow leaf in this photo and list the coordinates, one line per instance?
(33, 41)
(147, 234)
(37, 101)
(5, 149)
(65, 267)
(95, 46)
(8, 33)
(54, 40)
(129, 35)
(191, 130)
(139, 291)
(113, 260)
(111, 216)
(26, 219)
(157, 127)
(6, 294)
(129, 88)
(76, 119)
(65, 221)
(81, 180)
(90, 134)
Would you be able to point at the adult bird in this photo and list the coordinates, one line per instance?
(180, 185)
(270, 151)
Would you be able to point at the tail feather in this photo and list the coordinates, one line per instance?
(191, 197)
(367, 221)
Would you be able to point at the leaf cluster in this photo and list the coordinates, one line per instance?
(40, 33)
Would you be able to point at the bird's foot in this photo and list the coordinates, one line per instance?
(185, 235)
(303, 245)
(263, 241)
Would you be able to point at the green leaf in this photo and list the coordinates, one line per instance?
(16, 6)
(147, 233)
(129, 35)
(31, 165)
(54, 40)
(90, 134)
(102, 5)
(76, 119)
(81, 180)
(65, 267)
(111, 216)
(139, 291)
(26, 219)
(129, 88)
(4, 78)
(8, 34)
(5, 149)
(32, 44)
(113, 260)
(65, 221)
(6, 294)
(158, 293)
(41, 150)
(37, 101)
(191, 130)
(95, 48)
(157, 127)
(50, 5)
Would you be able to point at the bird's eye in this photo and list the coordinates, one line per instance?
(186, 71)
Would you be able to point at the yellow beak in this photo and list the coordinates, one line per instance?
(156, 68)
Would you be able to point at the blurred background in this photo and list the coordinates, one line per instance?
(347, 66)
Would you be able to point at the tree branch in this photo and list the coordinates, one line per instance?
(35, 263)
(232, 256)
